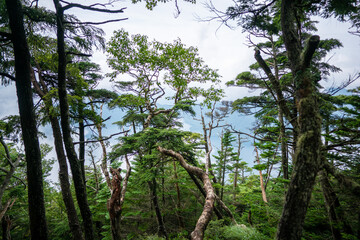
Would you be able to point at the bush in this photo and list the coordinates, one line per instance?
(217, 231)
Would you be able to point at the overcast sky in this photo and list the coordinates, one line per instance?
(221, 48)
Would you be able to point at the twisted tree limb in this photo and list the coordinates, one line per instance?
(205, 216)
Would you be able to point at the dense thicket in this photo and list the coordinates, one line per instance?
(151, 179)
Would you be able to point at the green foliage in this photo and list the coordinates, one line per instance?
(216, 231)
(146, 61)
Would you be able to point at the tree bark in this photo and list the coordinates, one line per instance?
(337, 219)
(82, 143)
(201, 189)
(6, 226)
(331, 202)
(208, 146)
(284, 155)
(236, 173)
(38, 226)
(116, 201)
(307, 156)
(205, 217)
(73, 219)
(154, 198)
(263, 193)
(79, 183)
(178, 199)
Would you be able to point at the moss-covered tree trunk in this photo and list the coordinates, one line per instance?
(307, 156)
(38, 226)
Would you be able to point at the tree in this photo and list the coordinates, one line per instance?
(28, 122)
(147, 62)
(78, 174)
(225, 156)
(307, 155)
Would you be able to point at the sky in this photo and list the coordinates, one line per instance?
(220, 47)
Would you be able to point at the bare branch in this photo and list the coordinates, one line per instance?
(8, 76)
(97, 23)
(91, 8)
(103, 139)
(7, 152)
(249, 135)
(78, 54)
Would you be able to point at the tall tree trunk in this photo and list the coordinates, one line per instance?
(80, 187)
(154, 198)
(223, 172)
(60, 153)
(82, 144)
(178, 199)
(208, 147)
(64, 180)
(205, 217)
(284, 155)
(307, 156)
(117, 198)
(38, 226)
(236, 173)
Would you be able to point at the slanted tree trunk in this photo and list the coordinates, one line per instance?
(201, 189)
(330, 201)
(79, 183)
(205, 217)
(73, 219)
(64, 181)
(307, 158)
(38, 226)
(337, 219)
